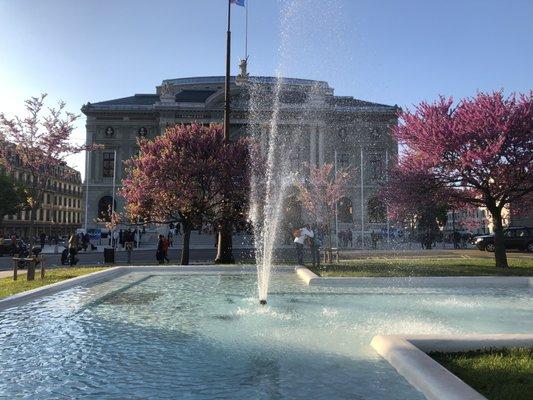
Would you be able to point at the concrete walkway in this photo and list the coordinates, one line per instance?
(9, 273)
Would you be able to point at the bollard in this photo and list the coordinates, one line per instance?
(30, 275)
(42, 267)
(15, 267)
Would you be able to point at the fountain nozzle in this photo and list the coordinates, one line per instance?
(262, 302)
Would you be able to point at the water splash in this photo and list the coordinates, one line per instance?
(281, 125)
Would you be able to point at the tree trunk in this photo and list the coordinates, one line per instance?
(186, 242)
(225, 244)
(31, 266)
(499, 244)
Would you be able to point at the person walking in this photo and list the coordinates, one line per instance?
(314, 245)
(165, 249)
(42, 238)
(160, 253)
(73, 249)
(170, 238)
(299, 239)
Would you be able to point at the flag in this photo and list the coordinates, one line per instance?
(238, 2)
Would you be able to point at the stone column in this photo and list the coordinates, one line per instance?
(312, 147)
(320, 146)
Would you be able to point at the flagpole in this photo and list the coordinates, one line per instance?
(362, 205)
(225, 238)
(228, 69)
(336, 209)
(387, 207)
(246, 33)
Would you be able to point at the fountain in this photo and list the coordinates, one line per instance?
(282, 138)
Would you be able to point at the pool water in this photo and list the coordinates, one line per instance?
(177, 336)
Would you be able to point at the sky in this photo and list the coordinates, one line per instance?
(387, 51)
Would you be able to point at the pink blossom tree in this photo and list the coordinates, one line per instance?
(482, 149)
(37, 145)
(190, 175)
(418, 200)
(321, 191)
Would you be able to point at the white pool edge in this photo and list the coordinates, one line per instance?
(407, 354)
(93, 277)
(312, 279)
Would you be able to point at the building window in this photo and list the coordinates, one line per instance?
(104, 208)
(344, 160)
(376, 167)
(108, 164)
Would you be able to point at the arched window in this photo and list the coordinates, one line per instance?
(377, 212)
(104, 208)
(345, 210)
(292, 211)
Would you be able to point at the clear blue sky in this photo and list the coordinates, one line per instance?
(389, 51)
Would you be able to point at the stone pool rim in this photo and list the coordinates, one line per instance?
(407, 354)
(312, 279)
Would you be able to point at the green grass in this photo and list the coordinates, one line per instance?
(397, 267)
(496, 374)
(9, 287)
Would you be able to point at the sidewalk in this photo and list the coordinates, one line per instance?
(9, 273)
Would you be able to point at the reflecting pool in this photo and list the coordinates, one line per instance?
(170, 335)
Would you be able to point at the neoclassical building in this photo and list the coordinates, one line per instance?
(61, 210)
(355, 133)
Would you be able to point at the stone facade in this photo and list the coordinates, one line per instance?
(61, 210)
(333, 127)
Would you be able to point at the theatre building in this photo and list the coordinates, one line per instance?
(353, 132)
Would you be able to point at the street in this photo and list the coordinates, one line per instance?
(207, 255)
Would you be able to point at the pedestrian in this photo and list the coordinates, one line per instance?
(159, 254)
(73, 249)
(42, 238)
(165, 249)
(299, 239)
(314, 242)
(85, 241)
(170, 238)
(374, 237)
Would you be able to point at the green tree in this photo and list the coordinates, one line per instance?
(12, 198)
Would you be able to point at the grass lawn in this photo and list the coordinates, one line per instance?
(426, 267)
(496, 374)
(9, 287)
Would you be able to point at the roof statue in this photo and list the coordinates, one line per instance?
(243, 75)
(167, 89)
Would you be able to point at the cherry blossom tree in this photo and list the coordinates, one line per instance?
(321, 191)
(482, 149)
(418, 200)
(190, 175)
(37, 145)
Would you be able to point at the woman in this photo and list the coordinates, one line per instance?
(160, 253)
(73, 249)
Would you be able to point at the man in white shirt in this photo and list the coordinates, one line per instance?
(299, 239)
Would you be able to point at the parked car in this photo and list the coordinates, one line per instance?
(520, 238)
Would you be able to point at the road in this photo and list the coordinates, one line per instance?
(138, 257)
(207, 255)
